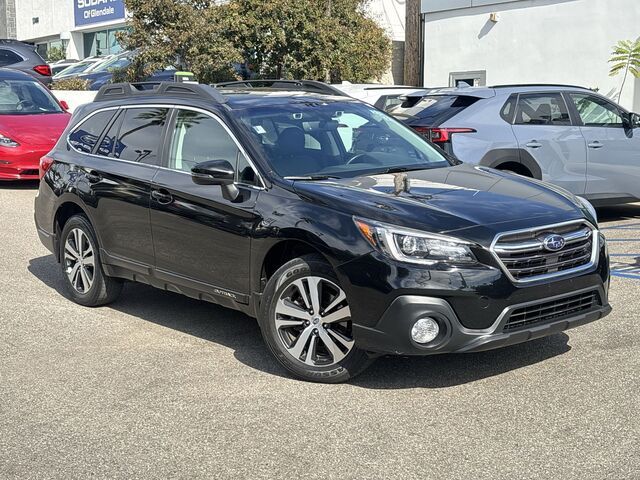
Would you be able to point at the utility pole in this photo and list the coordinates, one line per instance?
(412, 47)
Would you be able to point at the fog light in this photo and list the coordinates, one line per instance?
(425, 330)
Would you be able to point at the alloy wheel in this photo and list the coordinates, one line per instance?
(79, 260)
(313, 321)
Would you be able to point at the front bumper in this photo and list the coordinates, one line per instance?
(392, 333)
(21, 163)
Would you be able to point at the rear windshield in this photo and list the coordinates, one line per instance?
(432, 110)
(26, 97)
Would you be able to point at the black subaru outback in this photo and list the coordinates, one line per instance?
(346, 234)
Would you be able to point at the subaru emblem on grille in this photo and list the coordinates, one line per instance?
(553, 243)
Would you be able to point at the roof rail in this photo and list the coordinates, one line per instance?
(311, 86)
(538, 85)
(115, 91)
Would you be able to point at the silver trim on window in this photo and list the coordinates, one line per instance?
(170, 106)
(532, 246)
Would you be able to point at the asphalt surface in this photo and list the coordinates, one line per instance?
(161, 386)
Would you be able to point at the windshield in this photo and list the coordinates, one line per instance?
(26, 97)
(74, 69)
(113, 64)
(341, 139)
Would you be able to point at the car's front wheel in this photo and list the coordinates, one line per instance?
(306, 322)
(86, 282)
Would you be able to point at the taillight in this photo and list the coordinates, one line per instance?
(45, 164)
(43, 70)
(441, 135)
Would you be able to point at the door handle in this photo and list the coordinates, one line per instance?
(93, 176)
(534, 144)
(162, 197)
(596, 144)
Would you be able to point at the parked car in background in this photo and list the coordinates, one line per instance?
(31, 121)
(24, 57)
(345, 233)
(380, 96)
(569, 136)
(103, 73)
(60, 65)
(83, 66)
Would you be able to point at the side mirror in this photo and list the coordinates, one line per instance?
(64, 105)
(216, 172)
(634, 120)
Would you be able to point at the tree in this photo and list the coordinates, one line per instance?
(329, 40)
(625, 58)
(186, 34)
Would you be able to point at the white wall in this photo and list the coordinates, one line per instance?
(74, 98)
(546, 41)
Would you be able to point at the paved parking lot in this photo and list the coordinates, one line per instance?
(158, 385)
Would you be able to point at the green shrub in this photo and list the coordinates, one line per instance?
(70, 84)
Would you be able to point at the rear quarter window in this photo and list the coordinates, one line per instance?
(7, 57)
(432, 110)
(85, 136)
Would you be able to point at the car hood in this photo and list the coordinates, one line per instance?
(475, 201)
(38, 129)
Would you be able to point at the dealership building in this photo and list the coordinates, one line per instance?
(84, 28)
(489, 42)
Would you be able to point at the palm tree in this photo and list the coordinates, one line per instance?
(625, 57)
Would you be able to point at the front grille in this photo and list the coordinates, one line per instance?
(29, 172)
(526, 258)
(552, 310)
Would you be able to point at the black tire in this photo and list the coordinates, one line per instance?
(102, 289)
(301, 270)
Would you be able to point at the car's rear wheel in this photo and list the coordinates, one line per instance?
(306, 322)
(84, 277)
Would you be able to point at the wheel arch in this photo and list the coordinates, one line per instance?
(67, 208)
(515, 156)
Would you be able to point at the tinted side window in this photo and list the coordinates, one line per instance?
(109, 140)
(596, 112)
(7, 57)
(140, 137)
(244, 171)
(542, 109)
(199, 138)
(508, 109)
(86, 135)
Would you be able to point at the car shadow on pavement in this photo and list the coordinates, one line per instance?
(616, 213)
(242, 334)
(20, 184)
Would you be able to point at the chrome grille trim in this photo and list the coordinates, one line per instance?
(525, 260)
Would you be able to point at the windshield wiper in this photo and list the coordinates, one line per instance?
(312, 177)
(405, 169)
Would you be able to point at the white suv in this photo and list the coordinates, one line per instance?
(569, 136)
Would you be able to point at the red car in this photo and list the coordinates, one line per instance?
(31, 121)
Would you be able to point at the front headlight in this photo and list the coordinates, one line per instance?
(589, 208)
(8, 142)
(414, 246)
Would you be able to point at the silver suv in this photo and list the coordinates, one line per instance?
(569, 136)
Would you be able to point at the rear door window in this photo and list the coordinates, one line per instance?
(432, 110)
(542, 109)
(7, 57)
(86, 135)
(140, 138)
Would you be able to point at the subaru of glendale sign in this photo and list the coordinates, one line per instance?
(87, 12)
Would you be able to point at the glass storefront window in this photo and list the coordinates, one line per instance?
(103, 42)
